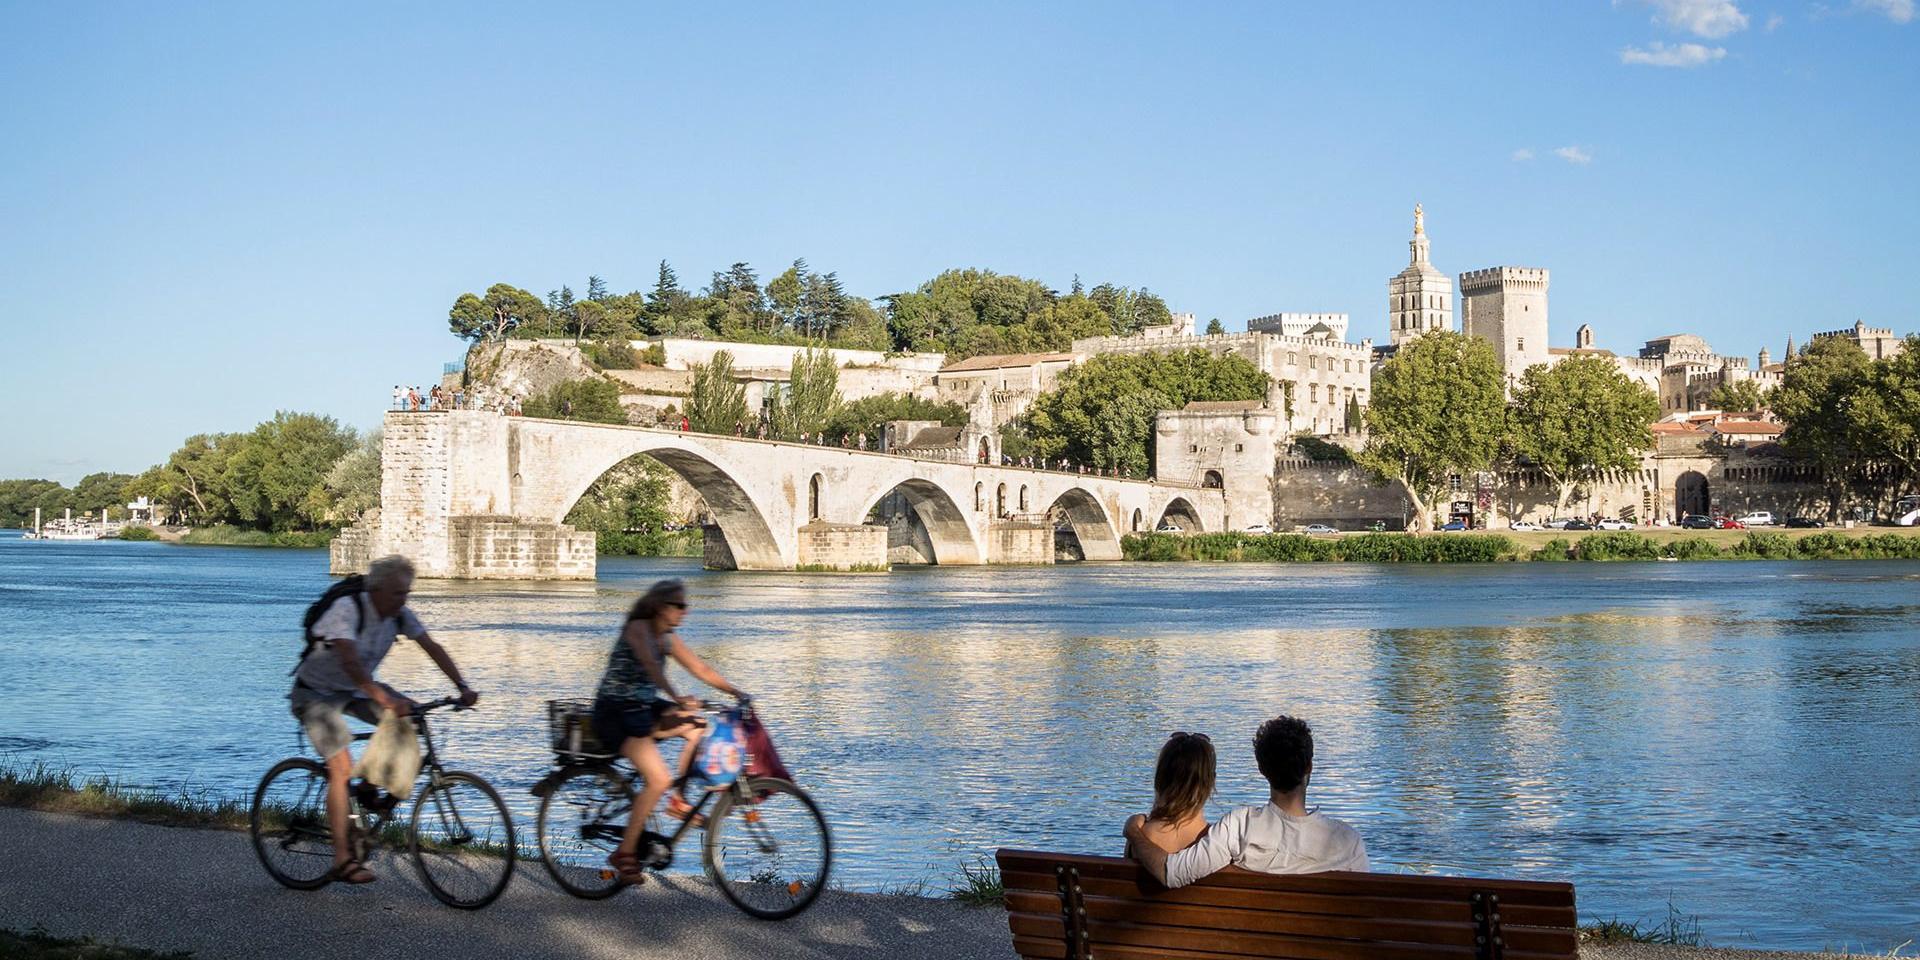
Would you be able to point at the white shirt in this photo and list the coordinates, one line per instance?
(1267, 840)
(321, 671)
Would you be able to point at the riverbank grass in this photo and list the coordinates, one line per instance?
(980, 885)
(1678, 929)
(225, 536)
(1599, 546)
(37, 944)
(44, 788)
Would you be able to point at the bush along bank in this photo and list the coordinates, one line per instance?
(1299, 548)
(1489, 548)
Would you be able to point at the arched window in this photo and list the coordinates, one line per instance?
(1136, 521)
(1213, 480)
(979, 496)
(1000, 501)
(813, 497)
(1023, 498)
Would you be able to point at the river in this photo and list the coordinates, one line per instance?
(1736, 739)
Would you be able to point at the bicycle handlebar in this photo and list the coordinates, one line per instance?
(454, 702)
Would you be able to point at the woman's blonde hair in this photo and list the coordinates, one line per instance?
(1183, 777)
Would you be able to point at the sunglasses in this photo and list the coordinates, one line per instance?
(1178, 734)
(678, 606)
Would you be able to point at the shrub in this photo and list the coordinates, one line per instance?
(1691, 548)
(138, 533)
(1827, 545)
(1287, 548)
(1765, 546)
(1618, 545)
(1556, 549)
(655, 355)
(611, 355)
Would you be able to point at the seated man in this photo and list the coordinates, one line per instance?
(1281, 837)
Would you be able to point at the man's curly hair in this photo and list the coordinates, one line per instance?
(1283, 747)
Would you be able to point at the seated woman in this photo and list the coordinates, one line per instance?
(636, 706)
(1182, 782)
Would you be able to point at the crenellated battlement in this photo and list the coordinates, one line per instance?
(1493, 277)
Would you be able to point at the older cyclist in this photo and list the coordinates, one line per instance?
(636, 706)
(336, 680)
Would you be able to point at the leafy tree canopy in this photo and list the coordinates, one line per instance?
(1102, 412)
(1438, 409)
(594, 400)
(1579, 418)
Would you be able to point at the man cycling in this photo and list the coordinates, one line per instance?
(335, 680)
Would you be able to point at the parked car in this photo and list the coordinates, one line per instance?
(1758, 518)
(1694, 521)
(1167, 528)
(1555, 523)
(1611, 523)
(1727, 523)
(1805, 523)
(1259, 528)
(1576, 524)
(1524, 525)
(1455, 525)
(1318, 529)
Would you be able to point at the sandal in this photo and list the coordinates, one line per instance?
(626, 867)
(353, 871)
(679, 809)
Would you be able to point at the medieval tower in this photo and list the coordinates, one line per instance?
(1420, 298)
(1507, 307)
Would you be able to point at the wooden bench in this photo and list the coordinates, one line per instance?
(1067, 907)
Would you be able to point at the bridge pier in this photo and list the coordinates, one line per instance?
(1019, 542)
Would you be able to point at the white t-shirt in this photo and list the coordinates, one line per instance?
(1267, 840)
(321, 670)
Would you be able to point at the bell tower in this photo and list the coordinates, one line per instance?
(1419, 298)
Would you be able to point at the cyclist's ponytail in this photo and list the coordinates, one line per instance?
(657, 597)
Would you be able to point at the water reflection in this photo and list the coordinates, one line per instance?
(1742, 750)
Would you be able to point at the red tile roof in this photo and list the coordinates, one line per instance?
(1749, 428)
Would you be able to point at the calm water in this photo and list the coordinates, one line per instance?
(1737, 739)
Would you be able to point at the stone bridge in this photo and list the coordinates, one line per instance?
(480, 495)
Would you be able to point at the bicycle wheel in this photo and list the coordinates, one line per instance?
(580, 823)
(462, 840)
(289, 824)
(771, 852)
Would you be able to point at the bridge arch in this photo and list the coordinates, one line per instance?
(948, 531)
(1089, 522)
(742, 521)
(1181, 514)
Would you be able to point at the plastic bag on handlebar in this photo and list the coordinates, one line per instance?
(392, 758)
(722, 754)
(762, 759)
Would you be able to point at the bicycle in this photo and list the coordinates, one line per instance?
(460, 834)
(766, 845)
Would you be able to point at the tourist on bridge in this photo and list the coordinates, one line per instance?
(1283, 836)
(399, 397)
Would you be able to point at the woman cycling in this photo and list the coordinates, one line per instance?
(636, 706)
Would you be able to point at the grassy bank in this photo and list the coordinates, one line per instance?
(1859, 544)
(38, 945)
(679, 543)
(44, 788)
(225, 536)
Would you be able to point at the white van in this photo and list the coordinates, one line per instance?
(1758, 518)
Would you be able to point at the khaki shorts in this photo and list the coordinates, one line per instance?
(323, 716)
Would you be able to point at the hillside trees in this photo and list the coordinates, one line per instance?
(1438, 409)
(811, 396)
(504, 311)
(1102, 412)
(593, 400)
(1579, 419)
(717, 403)
(870, 415)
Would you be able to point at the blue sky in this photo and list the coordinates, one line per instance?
(210, 212)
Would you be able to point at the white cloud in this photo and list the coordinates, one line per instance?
(1712, 19)
(1574, 155)
(1523, 154)
(1774, 22)
(1899, 11)
(1658, 54)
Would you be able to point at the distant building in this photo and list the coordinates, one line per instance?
(1878, 343)
(1419, 298)
(1507, 307)
(1301, 325)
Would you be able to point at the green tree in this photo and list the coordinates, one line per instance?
(1102, 412)
(18, 498)
(1738, 395)
(596, 289)
(812, 394)
(591, 399)
(351, 486)
(667, 301)
(102, 494)
(628, 507)
(870, 415)
(504, 310)
(1215, 327)
(1886, 422)
(1579, 419)
(1437, 409)
(1816, 399)
(193, 481)
(717, 404)
(273, 479)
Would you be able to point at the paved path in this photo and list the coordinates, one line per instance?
(171, 888)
